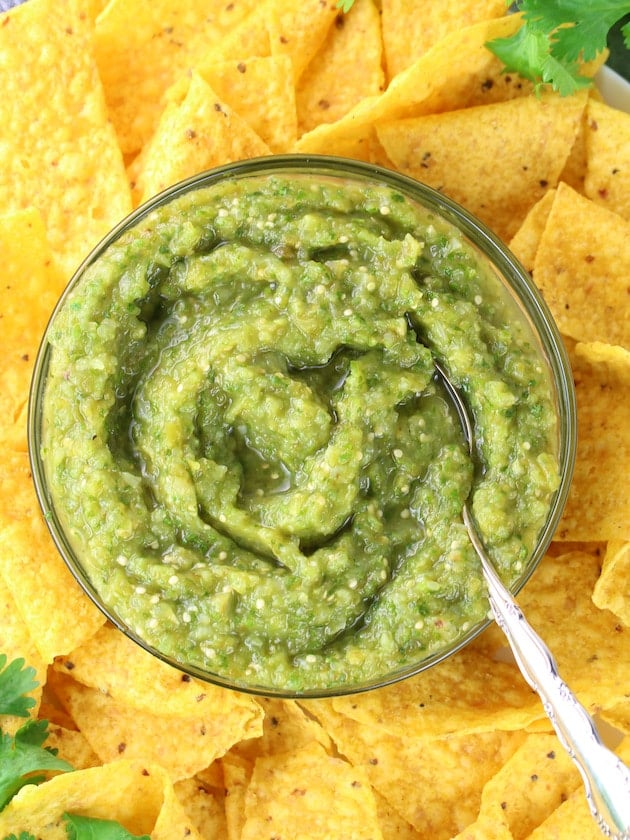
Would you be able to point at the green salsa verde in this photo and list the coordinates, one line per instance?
(249, 450)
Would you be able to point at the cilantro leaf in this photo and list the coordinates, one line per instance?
(16, 681)
(90, 828)
(345, 5)
(22, 757)
(24, 835)
(555, 36)
(625, 31)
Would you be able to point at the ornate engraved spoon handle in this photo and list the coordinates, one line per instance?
(606, 778)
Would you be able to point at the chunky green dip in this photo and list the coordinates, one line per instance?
(248, 447)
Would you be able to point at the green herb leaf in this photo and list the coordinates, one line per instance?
(556, 36)
(24, 835)
(345, 5)
(89, 828)
(16, 681)
(22, 757)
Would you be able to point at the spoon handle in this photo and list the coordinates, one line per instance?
(606, 778)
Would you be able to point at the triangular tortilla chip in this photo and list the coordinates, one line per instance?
(524, 243)
(598, 507)
(612, 590)
(345, 70)
(59, 151)
(582, 267)
(143, 46)
(457, 153)
(410, 29)
(199, 134)
(607, 178)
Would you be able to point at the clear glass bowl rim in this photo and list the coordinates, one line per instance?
(507, 266)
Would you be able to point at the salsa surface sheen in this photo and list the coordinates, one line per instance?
(246, 442)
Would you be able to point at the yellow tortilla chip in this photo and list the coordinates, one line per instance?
(239, 83)
(204, 808)
(607, 139)
(557, 602)
(457, 73)
(59, 150)
(237, 772)
(199, 134)
(391, 823)
(435, 784)
(143, 46)
(30, 288)
(524, 243)
(307, 794)
(111, 663)
(457, 154)
(139, 795)
(582, 267)
(345, 70)
(410, 29)
(182, 744)
(598, 507)
(573, 818)
(45, 592)
(612, 590)
(299, 29)
(72, 747)
(537, 778)
(285, 727)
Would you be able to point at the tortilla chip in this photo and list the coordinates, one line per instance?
(393, 826)
(574, 170)
(582, 267)
(72, 747)
(139, 795)
(457, 154)
(59, 150)
(619, 717)
(612, 590)
(299, 29)
(116, 666)
(307, 794)
(143, 46)
(199, 134)
(345, 70)
(436, 784)
(54, 608)
(285, 727)
(180, 743)
(537, 778)
(239, 83)
(598, 507)
(237, 772)
(573, 818)
(557, 602)
(27, 297)
(204, 808)
(524, 244)
(410, 29)
(607, 178)
(457, 73)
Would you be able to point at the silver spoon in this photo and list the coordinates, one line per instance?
(606, 778)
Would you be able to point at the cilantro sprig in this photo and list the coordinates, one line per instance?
(23, 756)
(556, 36)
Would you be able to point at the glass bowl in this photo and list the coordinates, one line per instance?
(241, 450)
